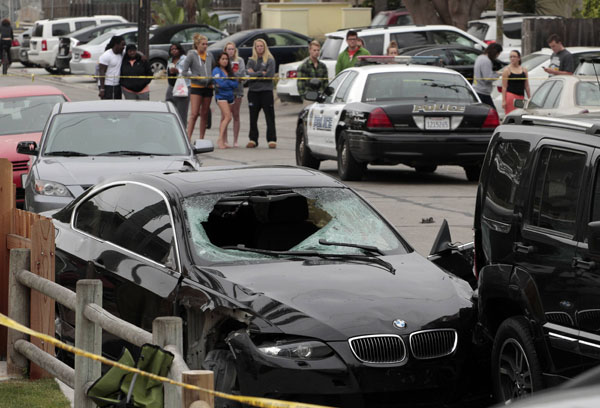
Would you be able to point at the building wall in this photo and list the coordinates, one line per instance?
(314, 19)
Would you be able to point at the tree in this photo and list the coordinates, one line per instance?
(452, 12)
(167, 12)
(203, 16)
(591, 9)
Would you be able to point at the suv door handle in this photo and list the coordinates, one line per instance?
(522, 248)
(581, 264)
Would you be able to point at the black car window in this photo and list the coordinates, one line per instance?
(184, 36)
(409, 39)
(142, 224)
(512, 30)
(335, 84)
(283, 39)
(538, 98)
(595, 214)
(95, 215)
(342, 93)
(436, 53)
(450, 37)
(463, 57)
(587, 94)
(504, 177)
(429, 86)
(558, 183)
(60, 29)
(81, 24)
(553, 97)
(250, 42)
(373, 43)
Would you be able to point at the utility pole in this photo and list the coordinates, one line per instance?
(499, 21)
(143, 27)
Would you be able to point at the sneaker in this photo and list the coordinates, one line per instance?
(251, 144)
(272, 145)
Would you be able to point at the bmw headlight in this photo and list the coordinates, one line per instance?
(304, 350)
(51, 188)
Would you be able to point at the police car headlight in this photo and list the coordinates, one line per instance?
(305, 350)
(51, 188)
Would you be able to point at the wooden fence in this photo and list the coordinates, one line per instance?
(573, 31)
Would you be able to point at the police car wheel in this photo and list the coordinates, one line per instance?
(348, 167)
(304, 156)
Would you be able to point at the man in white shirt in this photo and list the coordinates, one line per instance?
(110, 69)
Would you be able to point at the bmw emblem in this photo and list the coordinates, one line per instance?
(399, 324)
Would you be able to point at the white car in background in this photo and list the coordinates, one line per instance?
(376, 41)
(43, 46)
(85, 57)
(562, 95)
(535, 64)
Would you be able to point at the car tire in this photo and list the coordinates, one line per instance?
(472, 172)
(348, 167)
(158, 65)
(516, 369)
(51, 70)
(304, 156)
(222, 364)
(426, 169)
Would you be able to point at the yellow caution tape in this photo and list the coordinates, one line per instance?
(253, 401)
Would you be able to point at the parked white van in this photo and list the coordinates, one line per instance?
(43, 47)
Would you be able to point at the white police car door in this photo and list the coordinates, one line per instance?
(324, 117)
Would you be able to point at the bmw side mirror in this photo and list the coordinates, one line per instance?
(203, 146)
(311, 95)
(593, 237)
(28, 147)
(520, 103)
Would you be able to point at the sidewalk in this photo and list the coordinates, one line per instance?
(68, 391)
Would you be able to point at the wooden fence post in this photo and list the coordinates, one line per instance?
(18, 310)
(168, 331)
(88, 336)
(7, 203)
(202, 379)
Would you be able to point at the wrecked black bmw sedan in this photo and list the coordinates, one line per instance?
(290, 285)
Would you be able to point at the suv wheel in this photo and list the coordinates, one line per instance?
(222, 364)
(303, 155)
(472, 172)
(348, 167)
(516, 370)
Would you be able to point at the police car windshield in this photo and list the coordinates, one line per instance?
(428, 86)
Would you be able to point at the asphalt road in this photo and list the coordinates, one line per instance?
(410, 201)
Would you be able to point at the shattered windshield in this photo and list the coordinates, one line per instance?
(284, 220)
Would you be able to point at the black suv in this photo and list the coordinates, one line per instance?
(537, 246)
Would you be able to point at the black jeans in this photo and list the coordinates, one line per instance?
(5, 45)
(257, 101)
(112, 92)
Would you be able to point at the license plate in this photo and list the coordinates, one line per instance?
(432, 123)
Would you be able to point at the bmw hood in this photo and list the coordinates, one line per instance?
(82, 172)
(334, 301)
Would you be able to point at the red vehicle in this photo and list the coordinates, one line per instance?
(23, 114)
(392, 18)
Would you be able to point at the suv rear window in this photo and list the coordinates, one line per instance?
(587, 94)
(478, 30)
(82, 24)
(512, 30)
(331, 48)
(417, 86)
(374, 43)
(60, 29)
(409, 39)
(38, 31)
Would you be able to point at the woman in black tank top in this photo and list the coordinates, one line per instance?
(514, 82)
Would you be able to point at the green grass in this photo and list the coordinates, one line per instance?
(32, 394)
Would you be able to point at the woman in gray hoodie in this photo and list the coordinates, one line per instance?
(199, 63)
(260, 92)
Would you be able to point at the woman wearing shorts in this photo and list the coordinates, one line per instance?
(199, 63)
(239, 70)
(224, 95)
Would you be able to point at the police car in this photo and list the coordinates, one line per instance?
(417, 115)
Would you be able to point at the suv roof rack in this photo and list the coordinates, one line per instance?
(588, 127)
